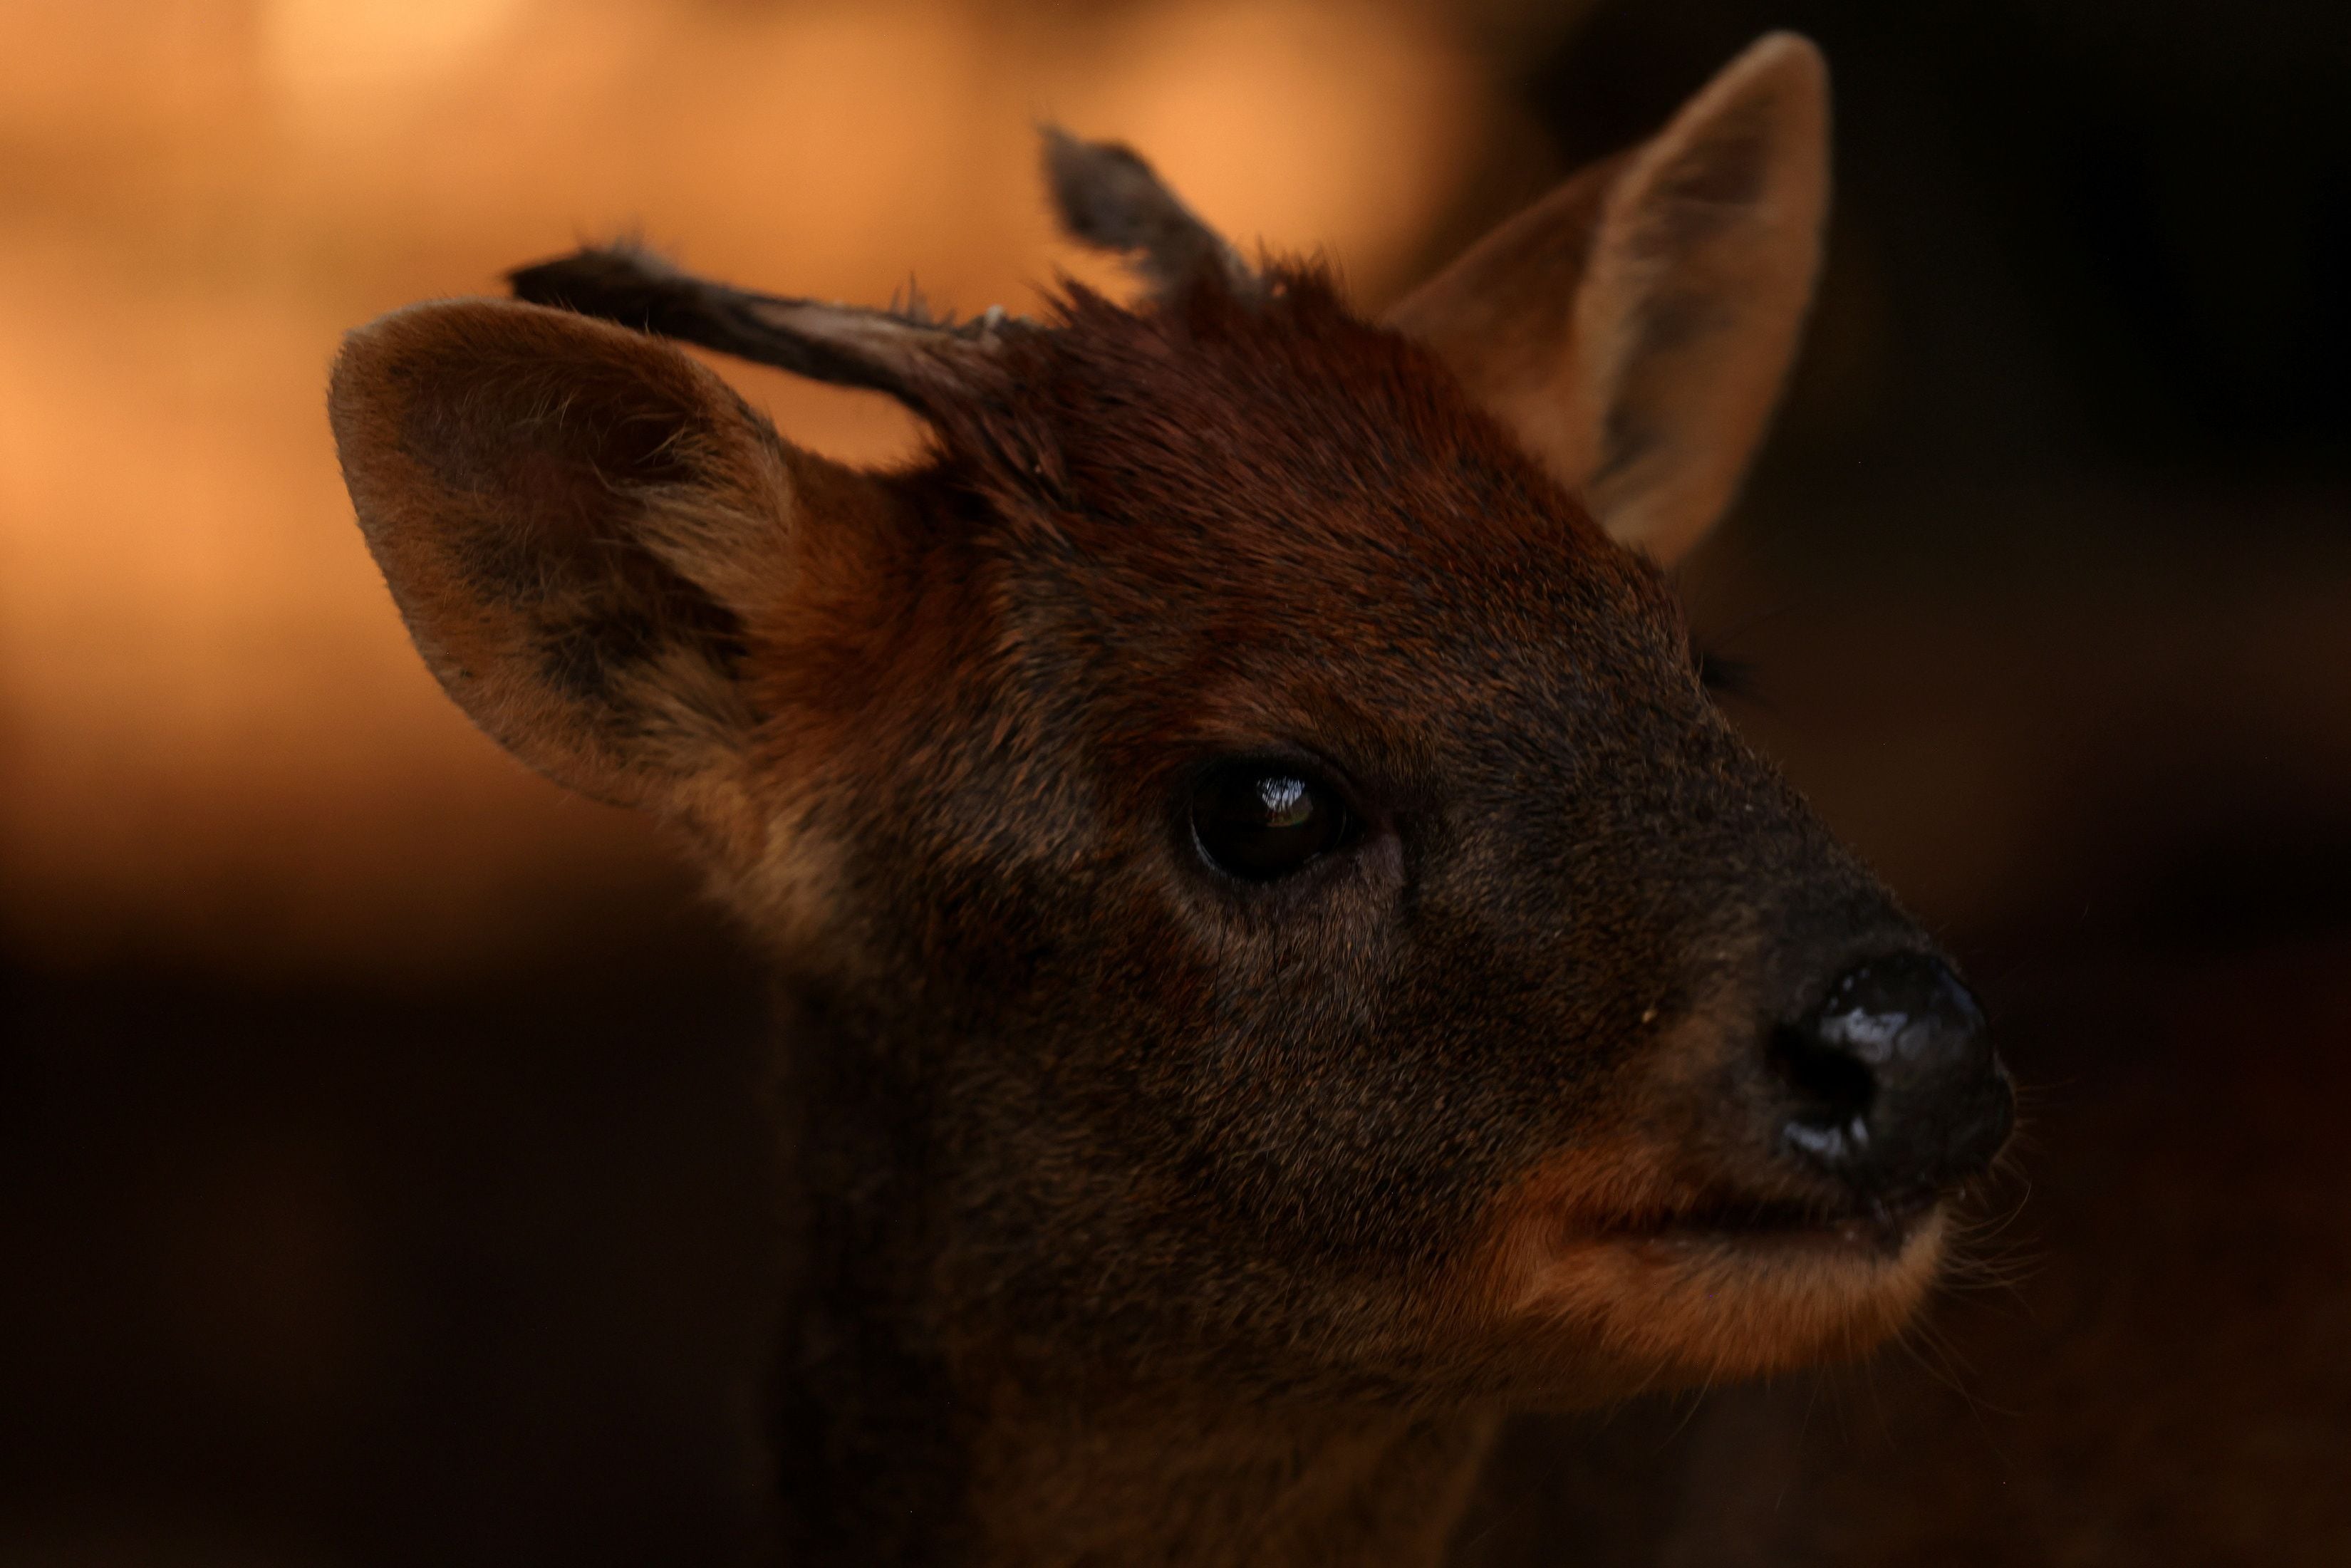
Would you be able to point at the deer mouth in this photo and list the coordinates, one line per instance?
(1884, 1226)
(1703, 1283)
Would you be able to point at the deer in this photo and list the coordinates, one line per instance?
(1280, 958)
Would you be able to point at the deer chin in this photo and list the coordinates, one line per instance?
(1702, 1292)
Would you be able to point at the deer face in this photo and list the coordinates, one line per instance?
(1245, 813)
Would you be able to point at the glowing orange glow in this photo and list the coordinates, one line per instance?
(213, 733)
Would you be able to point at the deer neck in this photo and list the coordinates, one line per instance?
(899, 1437)
(1043, 1478)
(1172, 1489)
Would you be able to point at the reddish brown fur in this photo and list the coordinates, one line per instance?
(1139, 1214)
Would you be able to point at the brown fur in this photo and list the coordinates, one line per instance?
(1138, 1214)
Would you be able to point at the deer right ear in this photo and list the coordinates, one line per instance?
(581, 526)
(1634, 327)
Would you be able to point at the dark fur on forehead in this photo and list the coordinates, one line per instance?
(1278, 408)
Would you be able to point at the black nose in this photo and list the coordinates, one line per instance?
(1897, 1090)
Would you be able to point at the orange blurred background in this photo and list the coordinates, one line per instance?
(218, 746)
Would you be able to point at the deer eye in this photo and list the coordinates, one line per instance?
(1262, 820)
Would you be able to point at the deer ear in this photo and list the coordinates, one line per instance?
(580, 526)
(1634, 327)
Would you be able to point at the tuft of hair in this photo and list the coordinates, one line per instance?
(1108, 198)
(622, 282)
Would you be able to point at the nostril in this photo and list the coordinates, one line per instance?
(1829, 1086)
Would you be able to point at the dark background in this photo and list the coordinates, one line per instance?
(381, 1176)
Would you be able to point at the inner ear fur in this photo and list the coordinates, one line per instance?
(1634, 327)
(581, 526)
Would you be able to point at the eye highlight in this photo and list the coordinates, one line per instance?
(1262, 819)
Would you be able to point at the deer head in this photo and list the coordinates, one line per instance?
(1268, 915)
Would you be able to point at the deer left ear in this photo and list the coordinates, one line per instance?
(581, 528)
(1634, 326)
